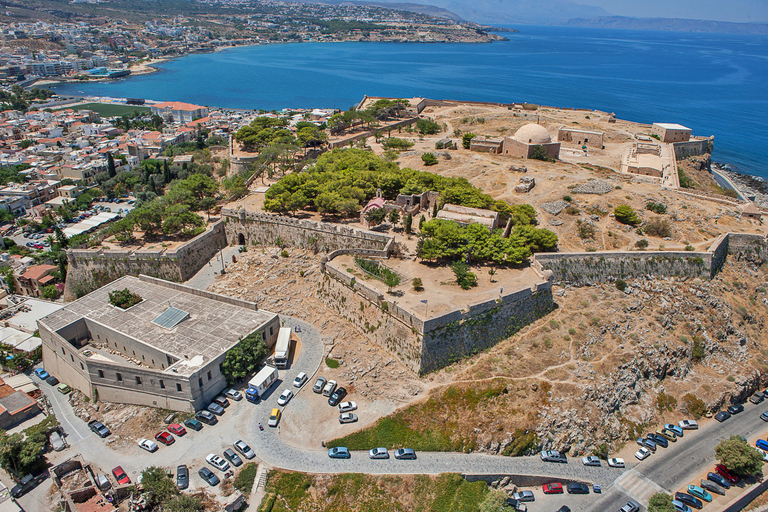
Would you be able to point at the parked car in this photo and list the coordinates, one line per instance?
(28, 482)
(517, 505)
(165, 437)
(762, 444)
(193, 424)
(57, 441)
(206, 417)
(757, 398)
(680, 506)
(329, 388)
(670, 435)
(182, 477)
(347, 417)
(658, 439)
(120, 476)
(232, 457)
(41, 374)
(405, 454)
(244, 449)
(339, 452)
(564, 508)
(300, 379)
(577, 488)
(207, 475)
(688, 424)
(688, 500)
(217, 461)
(215, 408)
(274, 417)
(337, 396)
(764, 416)
(221, 400)
(643, 453)
(524, 496)
(148, 445)
(378, 453)
(616, 462)
(712, 487)
(722, 416)
(285, 397)
(177, 429)
(99, 428)
(63, 388)
(631, 506)
(647, 443)
(727, 473)
(719, 480)
(347, 406)
(52, 381)
(552, 456)
(553, 488)
(698, 492)
(592, 460)
(736, 409)
(233, 394)
(319, 385)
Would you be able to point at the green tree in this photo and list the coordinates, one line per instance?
(148, 217)
(392, 280)
(466, 139)
(422, 220)
(156, 483)
(464, 277)
(50, 292)
(394, 217)
(626, 215)
(375, 216)
(408, 224)
(429, 159)
(660, 502)
(735, 454)
(539, 153)
(178, 219)
(243, 358)
(495, 501)
(111, 170)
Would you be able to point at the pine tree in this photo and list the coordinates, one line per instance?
(434, 212)
(422, 220)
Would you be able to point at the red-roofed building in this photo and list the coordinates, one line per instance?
(34, 279)
(179, 112)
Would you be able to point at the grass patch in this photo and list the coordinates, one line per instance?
(331, 363)
(108, 109)
(245, 478)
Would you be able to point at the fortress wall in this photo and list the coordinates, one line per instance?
(587, 268)
(268, 229)
(693, 147)
(749, 247)
(199, 251)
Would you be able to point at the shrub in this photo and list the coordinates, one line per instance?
(539, 153)
(123, 298)
(626, 215)
(601, 451)
(658, 227)
(621, 285)
(284, 253)
(586, 230)
(572, 210)
(525, 442)
(331, 363)
(661, 502)
(245, 478)
(417, 284)
(427, 127)
(642, 244)
(395, 143)
(665, 402)
(567, 198)
(466, 139)
(659, 208)
(464, 277)
(697, 351)
(695, 406)
(429, 159)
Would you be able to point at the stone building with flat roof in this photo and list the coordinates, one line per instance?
(166, 351)
(671, 132)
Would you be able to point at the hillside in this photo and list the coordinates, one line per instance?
(669, 25)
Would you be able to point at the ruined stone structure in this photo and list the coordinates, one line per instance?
(580, 137)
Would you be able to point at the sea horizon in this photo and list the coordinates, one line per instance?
(712, 83)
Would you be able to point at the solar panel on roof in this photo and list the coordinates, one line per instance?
(170, 318)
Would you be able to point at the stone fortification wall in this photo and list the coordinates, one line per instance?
(746, 246)
(92, 269)
(428, 345)
(254, 228)
(693, 147)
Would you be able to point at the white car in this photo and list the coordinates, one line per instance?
(300, 379)
(347, 417)
(688, 424)
(217, 462)
(329, 388)
(642, 453)
(764, 454)
(285, 397)
(592, 460)
(616, 462)
(148, 445)
(347, 406)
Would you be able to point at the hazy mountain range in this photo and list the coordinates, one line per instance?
(670, 25)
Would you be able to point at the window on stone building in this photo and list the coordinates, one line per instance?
(200, 382)
(162, 384)
(178, 387)
(138, 380)
(209, 375)
(119, 377)
(101, 374)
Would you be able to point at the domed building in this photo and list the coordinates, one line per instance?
(525, 140)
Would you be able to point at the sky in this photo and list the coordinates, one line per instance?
(720, 10)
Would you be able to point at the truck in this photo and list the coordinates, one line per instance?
(258, 385)
(283, 347)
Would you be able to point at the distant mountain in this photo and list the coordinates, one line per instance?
(427, 9)
(669, 25)
(496, 12)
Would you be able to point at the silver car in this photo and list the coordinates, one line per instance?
(378, 453)
(319, 385)
(244, 449)
(347, 417)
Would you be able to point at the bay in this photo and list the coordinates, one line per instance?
(716, 84)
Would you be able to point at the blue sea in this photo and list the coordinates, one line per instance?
(716, 84)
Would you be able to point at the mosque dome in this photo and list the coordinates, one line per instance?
(533, 134)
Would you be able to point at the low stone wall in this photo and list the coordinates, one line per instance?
(254, 228)
(92, 269)
(693, 147)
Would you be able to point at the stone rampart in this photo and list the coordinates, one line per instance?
(253, 228)
(89, 270)
(693, 147)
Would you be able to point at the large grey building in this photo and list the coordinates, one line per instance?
(166, 351)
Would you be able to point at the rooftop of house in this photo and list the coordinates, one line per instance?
(214, 323)
(177, 105)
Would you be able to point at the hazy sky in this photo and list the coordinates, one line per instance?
(722, 10)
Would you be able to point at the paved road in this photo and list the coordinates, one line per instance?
(675, 467)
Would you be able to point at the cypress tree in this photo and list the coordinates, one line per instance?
(408, 224)
(111, 165)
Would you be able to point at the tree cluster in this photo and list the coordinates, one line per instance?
(264, 131)
(243, 358)
(735, 454)
(428, 127)
(163, 493)
(124, 298)
(19, 99)
(23, 453)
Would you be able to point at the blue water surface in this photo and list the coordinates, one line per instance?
(717, 84)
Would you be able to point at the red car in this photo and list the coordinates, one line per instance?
(553, 488)
(177, 429)
(120, 476)
(726, 473)
(165, 438)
